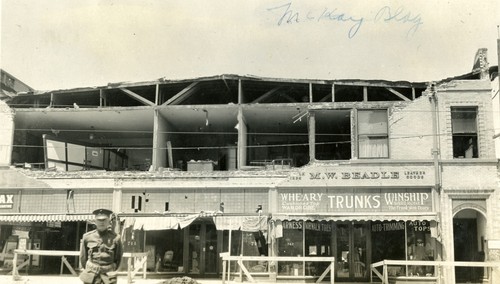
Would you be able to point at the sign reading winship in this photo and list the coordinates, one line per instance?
(354, 200)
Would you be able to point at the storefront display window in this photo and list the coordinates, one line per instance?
(388, 242)
(399, 240)
(248, 244)
(420, 246)
(291, 244)
(194, 248)
(166, 246)
(318, 237)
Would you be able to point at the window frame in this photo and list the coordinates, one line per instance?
(372, 135)
(473, 135)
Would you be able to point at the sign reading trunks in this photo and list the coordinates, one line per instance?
(356, 200)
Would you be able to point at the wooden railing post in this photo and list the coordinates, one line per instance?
(144, 266)
(129, 270)
(224, 264)
(386, 276)
(15, 273)
(332, 272)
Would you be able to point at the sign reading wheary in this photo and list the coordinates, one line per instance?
(6, 201)
(354, 200)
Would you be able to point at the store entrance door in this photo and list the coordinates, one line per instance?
(351, 255)
(202, 249)
(468, 240)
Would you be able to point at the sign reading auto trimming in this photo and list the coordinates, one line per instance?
(354, 200)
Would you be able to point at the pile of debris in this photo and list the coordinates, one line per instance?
(180, 280)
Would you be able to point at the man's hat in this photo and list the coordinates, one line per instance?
(101, 214)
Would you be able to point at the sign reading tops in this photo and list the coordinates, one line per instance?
(354, 200)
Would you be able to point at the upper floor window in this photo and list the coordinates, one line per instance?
(373, 138)
(464, 129)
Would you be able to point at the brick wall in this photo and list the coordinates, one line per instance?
(475, 93)
(410, 130)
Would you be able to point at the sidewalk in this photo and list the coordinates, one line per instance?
(54, 279)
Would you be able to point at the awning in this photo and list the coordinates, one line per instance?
(403, 216)
(45, 217)
(152, 223)
(244, 223)
(156, 223)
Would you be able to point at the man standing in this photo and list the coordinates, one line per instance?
(101, 251)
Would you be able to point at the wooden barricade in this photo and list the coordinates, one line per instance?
(61, 253)
(384, 276)
(275, 259)
(135, 262)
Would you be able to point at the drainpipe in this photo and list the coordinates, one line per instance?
(435, 135)
(436, 151)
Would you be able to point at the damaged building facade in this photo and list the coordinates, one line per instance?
(361, 170)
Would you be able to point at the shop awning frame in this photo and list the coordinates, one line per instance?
(355, 216)
(159, 222)
(244, 223)
(147, 222)
(44, 217)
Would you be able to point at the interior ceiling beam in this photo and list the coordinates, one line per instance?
(137, 97)
(266, 95)
(182, 95)
(398, 94)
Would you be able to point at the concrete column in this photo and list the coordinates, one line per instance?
(312, 136)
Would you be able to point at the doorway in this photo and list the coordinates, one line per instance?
(351, 251)
(201, 249)
(468, 239)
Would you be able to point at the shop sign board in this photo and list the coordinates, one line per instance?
(363, 176)
(6, 201)
(323, 200)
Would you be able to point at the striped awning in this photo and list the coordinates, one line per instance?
(403, 216)
(45, 217)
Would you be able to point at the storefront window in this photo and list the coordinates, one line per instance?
(291, 244)
(420, 246)
(399, 240)
(166, 246)
(388, 242)
(194, 248)
(235, 248)
(247, 244)
(317, 243)
(254, 244)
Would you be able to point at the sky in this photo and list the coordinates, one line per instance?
(62, 44)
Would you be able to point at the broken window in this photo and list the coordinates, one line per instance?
(373, 139)
(464, 131)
